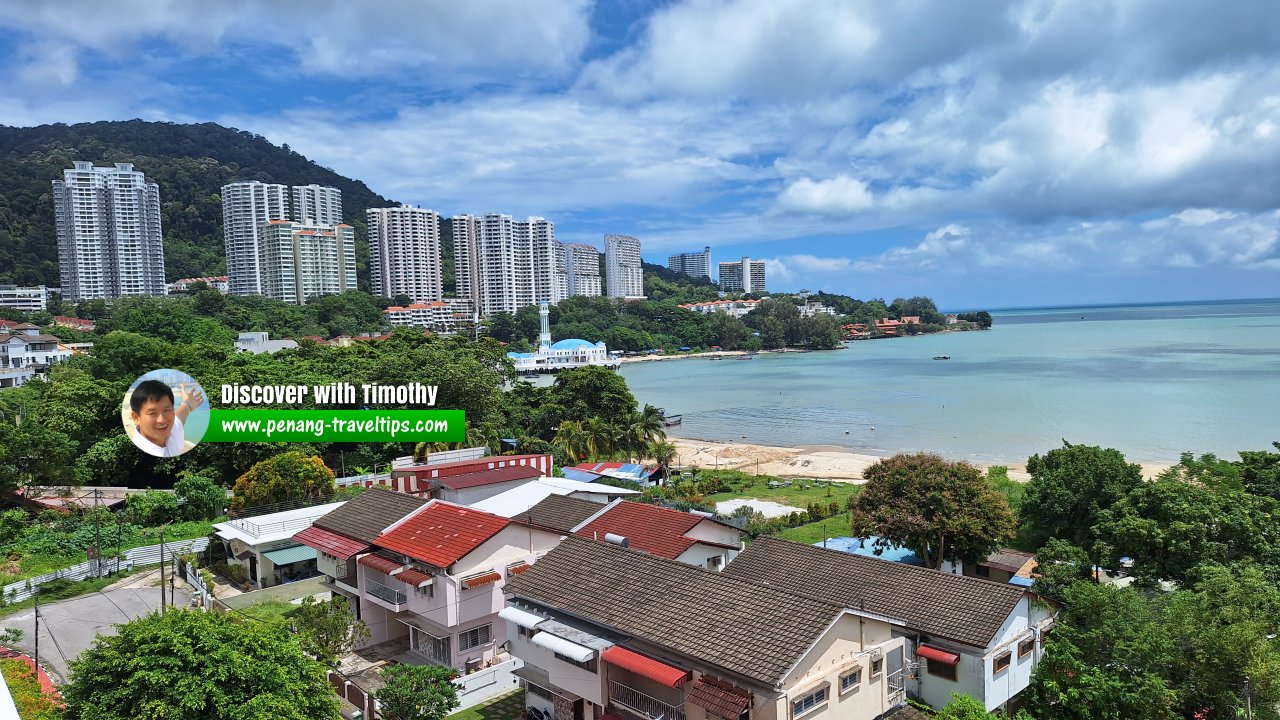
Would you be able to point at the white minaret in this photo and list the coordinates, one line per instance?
(544, 318)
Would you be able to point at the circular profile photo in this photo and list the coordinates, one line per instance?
(165, 413)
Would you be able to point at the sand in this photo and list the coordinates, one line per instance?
(812, 461)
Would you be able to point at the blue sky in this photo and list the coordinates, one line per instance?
(988, 154)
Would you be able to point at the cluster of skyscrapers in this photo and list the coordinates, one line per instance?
(744, 276)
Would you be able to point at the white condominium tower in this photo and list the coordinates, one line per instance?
(302, 261)
(623, 274)
(404, 253)
(109, 238)
(692, 264)
(742, 277)
(546, 278)
(465, 231)
(246, 207)
(582, 269)
(317, 205)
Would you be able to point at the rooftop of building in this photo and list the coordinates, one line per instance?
(441, 533)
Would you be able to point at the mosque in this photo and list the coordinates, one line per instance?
(566, 354)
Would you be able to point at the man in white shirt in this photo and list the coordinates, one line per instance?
(158, 426)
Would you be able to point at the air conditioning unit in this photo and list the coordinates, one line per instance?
(357, 715)
(877, 653)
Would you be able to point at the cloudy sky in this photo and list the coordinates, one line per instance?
(988, 154)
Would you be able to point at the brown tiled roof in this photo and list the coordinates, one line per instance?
(752, 630)
(1008, 560)
(718, 698)
(964, 609)
(488, 477)
(560, 513)
(364, 517)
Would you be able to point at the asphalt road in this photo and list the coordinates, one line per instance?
(68, 627)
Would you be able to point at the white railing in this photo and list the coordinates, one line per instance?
(382, 592)
(260, 529)
(895, 685)
(645, 705)
(137, 557)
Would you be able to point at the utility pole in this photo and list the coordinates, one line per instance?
(1248, 698)
(37, 668)
(173, 574)
(97, 535)
(161, 569)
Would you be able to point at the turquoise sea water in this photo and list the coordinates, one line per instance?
(1153, 381)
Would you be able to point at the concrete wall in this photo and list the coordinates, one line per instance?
(850, 642)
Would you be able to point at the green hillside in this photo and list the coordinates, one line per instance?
(190, 163)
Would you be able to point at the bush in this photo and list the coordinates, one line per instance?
(151, 508)
(24, 686)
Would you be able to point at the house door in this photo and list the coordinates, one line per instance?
(894, 676)
(253, 568)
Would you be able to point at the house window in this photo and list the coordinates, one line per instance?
(851, 680)
(424, 591)
(589, 665)
(525, 632)
(475, 637)
(983, 571)
(714, 563)
(538, 690)
(940, 669)
(876, 667)
(1001, 662)
(1026, 647)
(807, 703)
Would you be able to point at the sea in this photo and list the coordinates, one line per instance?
(1153, 381)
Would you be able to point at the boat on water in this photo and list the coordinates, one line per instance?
(745, 357)
(673, 420)
(716, 357)
(941, 357)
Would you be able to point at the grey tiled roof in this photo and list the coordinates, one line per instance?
(964, 609)
(559, 512)
(369, 513)
(746, 628)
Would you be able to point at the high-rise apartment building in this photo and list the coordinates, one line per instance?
(404, 253)
(746, 276)
(582, 269)
(246, 207)
(694, 265)
(317, 205)
(108, 227)
(465, 231)
(499, 259)
(623, 274)
(302, 261)
(536, 237)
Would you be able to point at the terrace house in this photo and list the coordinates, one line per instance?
(605, 632)
(689, 537)
(962, 634)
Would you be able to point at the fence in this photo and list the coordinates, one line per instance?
(137, 557)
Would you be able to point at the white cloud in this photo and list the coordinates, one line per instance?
(841, 195)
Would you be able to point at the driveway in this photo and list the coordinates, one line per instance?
(68, 627)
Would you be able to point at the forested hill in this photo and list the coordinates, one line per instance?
(190, 163)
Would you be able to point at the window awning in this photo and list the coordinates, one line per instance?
(416, 578)
(520, 617)
(330, 543)
(937, 655)
(645, 666)
(719, 698)
(482, 579)
(573, 651)
(291, 555)
(383, 565)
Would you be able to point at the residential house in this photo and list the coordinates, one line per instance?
(346, 532)
(1005, 565)
(635, 472)
(688, 537)
(265, 546)
(425, 478)
(963, 634)
(524, 497)
(432, 582)
(606, 632)
(25, 353)
(471, 488)
(559, 513)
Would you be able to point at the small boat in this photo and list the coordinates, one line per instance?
(716, 357)
(941, 357)
(673, 420)
(745, 357)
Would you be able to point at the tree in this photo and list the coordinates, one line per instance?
(963, 707)
(190, 664)
(1105, 659)
(940, 509)
(33, 454)
(663, 453)
(1070, 486)
(1260, 471)
(1060, 565)
(151, 508)
(328, 630)
(593, 391)
(286, 476)
(202, 498)
(571, 441)
(417, 692)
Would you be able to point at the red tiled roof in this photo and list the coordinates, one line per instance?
(643, 665)
(648, 528)
(441, 533)
(381, 564)
(719, 698)
(489, 477)
(517, 568)
(938, 655)
(330, 542)
(481, 463)
(482, 579)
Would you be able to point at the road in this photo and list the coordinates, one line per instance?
(68, 627)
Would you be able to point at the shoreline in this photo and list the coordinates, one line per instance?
(828, 462)
(714, 353)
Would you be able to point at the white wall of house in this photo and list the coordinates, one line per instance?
(699, 555)
(473, 495)
(566, 676)
(852, 641)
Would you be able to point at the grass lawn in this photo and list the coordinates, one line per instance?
(504, 707)
(273, 611)
(816, 532)
(796, 493)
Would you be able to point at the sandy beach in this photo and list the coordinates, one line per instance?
(812, 461)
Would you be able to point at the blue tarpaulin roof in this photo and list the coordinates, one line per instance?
(1021, 581)
(579, 475)
(866, 548)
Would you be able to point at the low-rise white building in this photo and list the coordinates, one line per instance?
(810, 309)
(25, 353)
(736, 308)
(563, 355)
(264, 544)
(215, 282)
(26, 299)
(261, 342)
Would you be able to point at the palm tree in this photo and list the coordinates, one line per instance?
(423, 449)
(572, 441)
(664, 453)
(600, 437)
(485, 435)
(649, 426)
